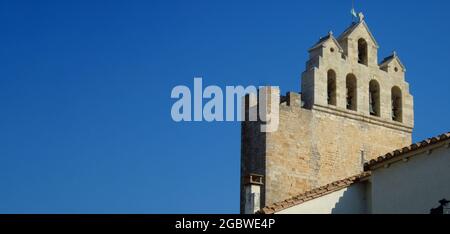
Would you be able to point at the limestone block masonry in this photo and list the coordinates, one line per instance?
(351, 110)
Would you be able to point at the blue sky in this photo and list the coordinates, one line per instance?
(85, 123)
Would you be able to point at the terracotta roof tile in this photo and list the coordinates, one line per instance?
(400, 152)
(312, 194)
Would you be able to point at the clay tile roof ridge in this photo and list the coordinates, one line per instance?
(312, 194)
(400, 152)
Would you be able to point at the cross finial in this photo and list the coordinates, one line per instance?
(330, 33)
(361, 16)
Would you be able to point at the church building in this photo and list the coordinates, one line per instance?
(330, 152)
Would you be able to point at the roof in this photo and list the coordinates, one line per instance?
(352, 28)
(325, 39)
(387, 59)
(390, 58)
(313, 194)
(400, 153)
(348, 30)
(396, 155)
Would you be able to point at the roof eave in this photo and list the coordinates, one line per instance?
(315, 193)
(407, 152)
(321, 44)
(388, 61)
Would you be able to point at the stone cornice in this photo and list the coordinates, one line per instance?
(364, 118)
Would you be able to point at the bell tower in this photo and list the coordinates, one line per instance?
(343, 75)
(351, 109)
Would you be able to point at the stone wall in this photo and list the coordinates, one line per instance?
(313, 148)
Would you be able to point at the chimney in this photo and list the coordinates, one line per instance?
(252, 185)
